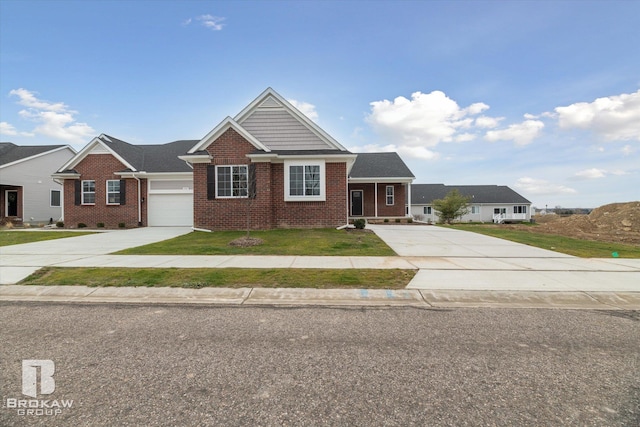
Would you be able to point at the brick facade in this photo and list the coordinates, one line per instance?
(100, 168)
(268, 209)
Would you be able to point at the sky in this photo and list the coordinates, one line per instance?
(541, 96)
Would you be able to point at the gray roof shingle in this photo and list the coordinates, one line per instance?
(423, 194)
(379, 165)
(152, 158)
(10, 152)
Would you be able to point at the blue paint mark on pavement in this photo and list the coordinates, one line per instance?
(390, 294)
(364, 293)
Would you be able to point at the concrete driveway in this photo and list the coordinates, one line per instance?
(456, 260)
(19, 261)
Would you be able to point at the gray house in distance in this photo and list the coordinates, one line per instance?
(27, 192)
(489, 203)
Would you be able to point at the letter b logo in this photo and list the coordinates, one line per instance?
(30, 377)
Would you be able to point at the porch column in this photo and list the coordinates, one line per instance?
(375, 199)
(409, 199)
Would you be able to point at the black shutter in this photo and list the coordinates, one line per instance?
(123, 191)
(211, 182)
(78, 192)
(252, 181)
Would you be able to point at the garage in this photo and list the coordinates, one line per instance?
(170, 203)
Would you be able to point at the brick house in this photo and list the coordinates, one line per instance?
(268, 167)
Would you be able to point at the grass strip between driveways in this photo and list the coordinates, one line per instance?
(318, 241)
(223, 277)
(567, 245)
(18, 237)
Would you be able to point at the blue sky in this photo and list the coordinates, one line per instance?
(542, 96)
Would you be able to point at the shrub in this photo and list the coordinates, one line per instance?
(121, 225)
(386, 220)
(60, 224)
(360, 223)
(82, 225)
(410, 221)
(398, 220)
(100, 225)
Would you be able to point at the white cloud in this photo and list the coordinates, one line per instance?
(488, 122)
(541, 187)
(591, 173)
(214, 23)
(305, 108)
(423, 121)
(8, 129)
(54, 120)
(520, 133)
(627, 150)
(403, 150)
(613, 118)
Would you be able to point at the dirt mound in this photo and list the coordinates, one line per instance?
(617, 222)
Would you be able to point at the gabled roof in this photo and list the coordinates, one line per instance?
(271, 123)
(161, 158)
(11, 153)
(380, 165)
(424, 194)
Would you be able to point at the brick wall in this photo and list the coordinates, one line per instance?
(268, 209)
(100, 168)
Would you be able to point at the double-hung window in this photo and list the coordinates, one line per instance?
(232, 181)
(88, 192)
(113, 192)
(427, 210)
(389, 193)
(55, 201)
(304, 181)
(519, 209)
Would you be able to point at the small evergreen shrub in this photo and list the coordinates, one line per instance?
(82, 225)
(60, 224)
(410, 221)
(100, 225)
(397, 220)
(386, 220)
(121, 225)
(360, 223)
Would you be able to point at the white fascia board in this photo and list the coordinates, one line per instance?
(58, 175)
(177, 176)
(64, 147)
(385, 180)
(216, 132)
(320, 133)
(87, 150)
(196, 158)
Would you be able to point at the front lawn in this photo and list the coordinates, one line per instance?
(566, 245)
(317, 242)
(223, 277)
(17, 237)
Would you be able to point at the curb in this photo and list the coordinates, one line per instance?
(324, 297)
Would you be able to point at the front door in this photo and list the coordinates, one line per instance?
(356, 202)
(12, 203)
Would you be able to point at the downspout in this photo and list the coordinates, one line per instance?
(409, 199)
(375, 199)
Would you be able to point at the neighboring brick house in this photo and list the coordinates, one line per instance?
(27, 192)
(268, 167)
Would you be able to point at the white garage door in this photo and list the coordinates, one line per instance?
(170, 210)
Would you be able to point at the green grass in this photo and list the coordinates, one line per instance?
(16, 237)
(566, 245)
(223, 277)
(319, 242)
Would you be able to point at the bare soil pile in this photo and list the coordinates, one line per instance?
(617, 222)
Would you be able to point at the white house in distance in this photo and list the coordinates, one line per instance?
(27, 192)
(489, 203)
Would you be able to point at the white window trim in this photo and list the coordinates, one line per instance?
(88, 192)
(112, 192)
(427, 208)
(218, 196)
(392, 195)
(321, 197)
(51, 205)
(475, 210)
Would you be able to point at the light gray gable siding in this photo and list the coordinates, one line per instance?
(276, 128)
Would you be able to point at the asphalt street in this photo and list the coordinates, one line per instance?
(269, 366)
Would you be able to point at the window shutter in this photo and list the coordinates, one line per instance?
(123, 191)
(252, 181)
(211, 182)
(77, 192)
